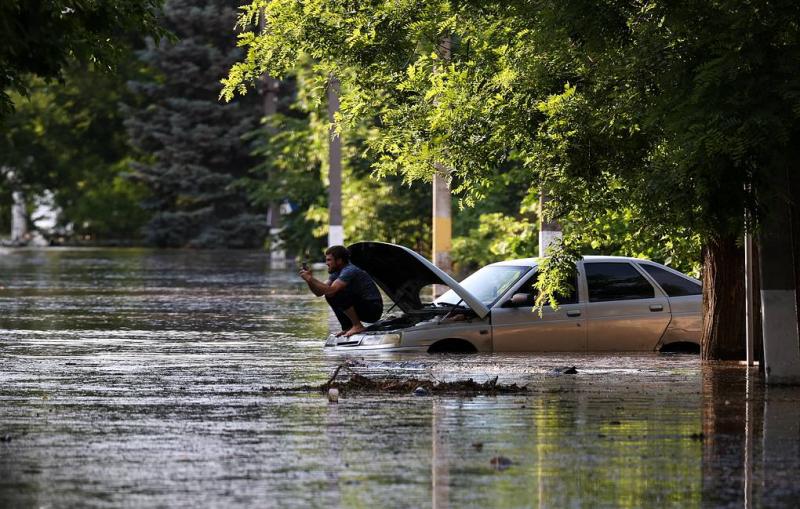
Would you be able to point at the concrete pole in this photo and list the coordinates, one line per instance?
(270, 88)
(335, 229)
(778, 286)
(442, 203)
(549, 230)
(269, 92)
(442, 221)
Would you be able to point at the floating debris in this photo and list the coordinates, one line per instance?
(570, 370)
(333, 395)
(421, 391)
(478, 446)
(500, 462)
(360, 383)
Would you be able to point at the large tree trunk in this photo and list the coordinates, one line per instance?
(723, 300)
(794, 209)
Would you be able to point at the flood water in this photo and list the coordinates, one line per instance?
(134, 378)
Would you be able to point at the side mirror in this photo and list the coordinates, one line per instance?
(519, 300)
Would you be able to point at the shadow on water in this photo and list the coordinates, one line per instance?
(133, 377)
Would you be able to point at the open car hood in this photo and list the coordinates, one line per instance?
(401, 273)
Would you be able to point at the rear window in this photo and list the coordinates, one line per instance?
(673, 284)
(616, 281)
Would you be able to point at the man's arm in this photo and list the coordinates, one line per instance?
(320, 288)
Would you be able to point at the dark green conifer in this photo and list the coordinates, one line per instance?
(190, 143)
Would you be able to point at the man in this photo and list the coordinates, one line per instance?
(350, 292)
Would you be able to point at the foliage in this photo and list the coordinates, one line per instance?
(623, 233)
(289, 171)
(660, 110)
(68, 138)
(555, 272)
(45, 37)
(498, 237)
(190, 149)
(293, 147)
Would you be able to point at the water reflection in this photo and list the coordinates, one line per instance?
(751, 454)
(134, 377)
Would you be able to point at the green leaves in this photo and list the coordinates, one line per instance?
(644, 120)
(555, 272)
(43, 38)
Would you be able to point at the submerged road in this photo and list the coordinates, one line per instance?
(134, 378)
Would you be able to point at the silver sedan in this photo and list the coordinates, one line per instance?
(618, 304)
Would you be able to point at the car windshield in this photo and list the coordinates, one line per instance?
(488, 284)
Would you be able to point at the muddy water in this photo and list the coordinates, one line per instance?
(134, 378)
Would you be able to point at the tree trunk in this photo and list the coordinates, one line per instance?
(19, 219)
(723, 300)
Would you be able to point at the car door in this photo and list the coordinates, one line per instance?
(625, 311)
(516, 328)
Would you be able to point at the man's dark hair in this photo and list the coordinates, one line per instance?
(338, 253)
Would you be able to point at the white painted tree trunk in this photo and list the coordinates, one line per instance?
(549, 231)
(19, 218)
(778, 289)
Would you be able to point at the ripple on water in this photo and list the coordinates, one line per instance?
(133, 377)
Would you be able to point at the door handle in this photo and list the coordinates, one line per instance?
(574, 312)
(656, 307)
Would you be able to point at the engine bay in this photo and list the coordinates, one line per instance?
(430, 314)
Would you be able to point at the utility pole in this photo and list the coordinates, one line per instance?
(549, 229)
(269, 91)
(442, 221)
(335, 229)
(442, 202)
(269, 87)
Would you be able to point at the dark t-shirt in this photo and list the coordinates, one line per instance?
(358, 282)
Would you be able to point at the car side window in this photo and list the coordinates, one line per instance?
(616, 281)
(528, 287)
(673, 284)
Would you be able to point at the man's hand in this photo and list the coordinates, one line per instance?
(307, 275)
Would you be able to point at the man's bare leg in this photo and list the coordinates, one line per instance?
(357, 325)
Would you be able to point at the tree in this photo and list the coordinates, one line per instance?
(667, 110)
(293, 148)
(190, 146)
(43, 37)
(67, 139)
(42, 40)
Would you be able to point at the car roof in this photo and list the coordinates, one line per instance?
(533, 262)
